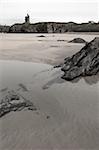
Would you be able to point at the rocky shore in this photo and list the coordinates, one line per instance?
(50, 27)
(83, 63)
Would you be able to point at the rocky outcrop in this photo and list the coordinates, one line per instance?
(12, 101)
(50, 27)
(83, 63)
(4, 29)
(41, 36)
(28, 28)
(78, 40)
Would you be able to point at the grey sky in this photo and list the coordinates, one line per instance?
(12, 11)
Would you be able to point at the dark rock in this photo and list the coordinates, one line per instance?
(61, 40)
(50, 27)
(4, 29)
(41, 36)
(83, 63)
(57, 66)
(28, 28)
(78, 40)
(47, 117)
(14, 102)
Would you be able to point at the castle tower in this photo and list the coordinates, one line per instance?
(27, 19)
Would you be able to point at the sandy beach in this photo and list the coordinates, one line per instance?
(67, 113)
(51, 49)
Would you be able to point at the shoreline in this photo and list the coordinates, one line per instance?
(46, 112)
(51, 49)
(87, 33)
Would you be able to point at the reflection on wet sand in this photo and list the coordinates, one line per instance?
(66, 115)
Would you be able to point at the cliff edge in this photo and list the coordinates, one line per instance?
(50, 27)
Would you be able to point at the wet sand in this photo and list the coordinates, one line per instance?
(51, 49)
(67, 115)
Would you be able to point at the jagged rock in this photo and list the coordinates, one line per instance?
(83, 63)
(14, 102)
(78, 40)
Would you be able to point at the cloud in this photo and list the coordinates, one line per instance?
(12, 11)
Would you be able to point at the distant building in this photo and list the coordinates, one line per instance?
(91, 22)
(27, 19)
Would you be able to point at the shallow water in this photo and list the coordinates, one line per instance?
(51, 49)
(72, 107)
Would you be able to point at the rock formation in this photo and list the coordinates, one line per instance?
(41, 36)
(78, 40)
(12, 101)
(83, 63)
(49, 27)
(4, 29)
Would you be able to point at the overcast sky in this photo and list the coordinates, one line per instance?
(12, 11)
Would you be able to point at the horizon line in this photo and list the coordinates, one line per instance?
(89, 21)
